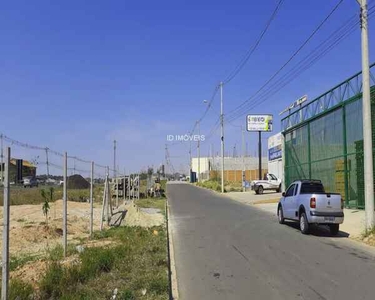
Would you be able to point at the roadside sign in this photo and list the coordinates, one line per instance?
(259, 123)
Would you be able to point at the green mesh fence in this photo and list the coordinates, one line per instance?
(329, 147)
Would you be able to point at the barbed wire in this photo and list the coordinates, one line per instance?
(54, 152)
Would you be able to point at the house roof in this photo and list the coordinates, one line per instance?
(25, 163)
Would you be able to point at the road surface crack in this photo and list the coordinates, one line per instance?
(243, 255)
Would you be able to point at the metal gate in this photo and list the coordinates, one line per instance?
(324, 140)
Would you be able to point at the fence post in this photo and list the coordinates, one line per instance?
(139, 185)
(92, 200)
(6, 208)
(117, 190)
(65, 204)
(104, 203)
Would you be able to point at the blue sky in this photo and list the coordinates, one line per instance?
(77, 74)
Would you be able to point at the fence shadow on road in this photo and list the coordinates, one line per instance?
(322, 230)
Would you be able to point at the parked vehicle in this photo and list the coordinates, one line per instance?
(30, 182)
(270, 182)
(307, 202)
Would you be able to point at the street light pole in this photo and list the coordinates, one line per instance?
(243, 159)
(367, 124)
(222, 136)
(199, 152)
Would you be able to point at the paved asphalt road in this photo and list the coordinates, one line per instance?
(228, 250)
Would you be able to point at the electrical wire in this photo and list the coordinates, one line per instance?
(241, 106)
(315, 55)
(252, 49)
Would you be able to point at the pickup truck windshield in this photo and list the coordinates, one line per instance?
(312, 188)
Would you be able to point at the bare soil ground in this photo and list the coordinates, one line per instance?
(29, 234)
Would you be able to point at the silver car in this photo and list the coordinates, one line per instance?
(30, 182)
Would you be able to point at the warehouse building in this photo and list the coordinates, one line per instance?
(324, 140)
(210, 167)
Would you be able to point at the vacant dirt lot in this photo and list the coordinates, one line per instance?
(29, 233)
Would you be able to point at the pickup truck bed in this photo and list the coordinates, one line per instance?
(305, 201)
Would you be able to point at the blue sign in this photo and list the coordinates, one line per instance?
(274, 153)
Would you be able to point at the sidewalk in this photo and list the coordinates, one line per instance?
(354, 221)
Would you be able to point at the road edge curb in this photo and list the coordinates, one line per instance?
(173, 295)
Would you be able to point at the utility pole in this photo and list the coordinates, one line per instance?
(2, 159)
(6, 215)
(243, 160)
(92, 200)
(65, 205)
(222, 136)
(199, 152)
(190, 163)
(367, 124)
(114, 159)
(260, 155)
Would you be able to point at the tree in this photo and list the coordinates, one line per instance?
(47, 196)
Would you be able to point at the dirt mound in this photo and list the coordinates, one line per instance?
(77, 182)
(138, 217)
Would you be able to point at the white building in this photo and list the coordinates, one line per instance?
(208, 164)
(275, 155)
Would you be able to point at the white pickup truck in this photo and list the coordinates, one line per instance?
(307, 202)
(270, 182)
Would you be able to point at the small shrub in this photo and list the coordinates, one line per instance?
(56, 253)
(96, 260)
(20, 290)
(50, 285)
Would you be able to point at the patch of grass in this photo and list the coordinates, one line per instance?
(19, 261)
(368, 232)
(158, 203)
(96, 261)
(20, 290)
(51, 284)
(21, 220)
(139, 261)
(211, 184)
(20, 195)
(57, 253)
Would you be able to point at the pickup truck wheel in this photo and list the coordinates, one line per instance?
(334, 229)
(303, 223)
(260, 189)
(280, 215)
(278, 190)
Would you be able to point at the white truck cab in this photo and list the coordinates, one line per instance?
(269, 182)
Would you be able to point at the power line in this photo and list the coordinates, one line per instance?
(245, 59)
(315, 55)
(241, 106)
(238, 67)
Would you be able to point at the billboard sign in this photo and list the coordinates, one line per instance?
(274, 153)
(259, 123)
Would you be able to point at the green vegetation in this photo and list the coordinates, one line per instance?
(20, 195)
(47, 196)
(210, 184)
(18, 261)
(213, 184)
(136, 262)
(369, 232)
(158, 203)
(19, 290)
